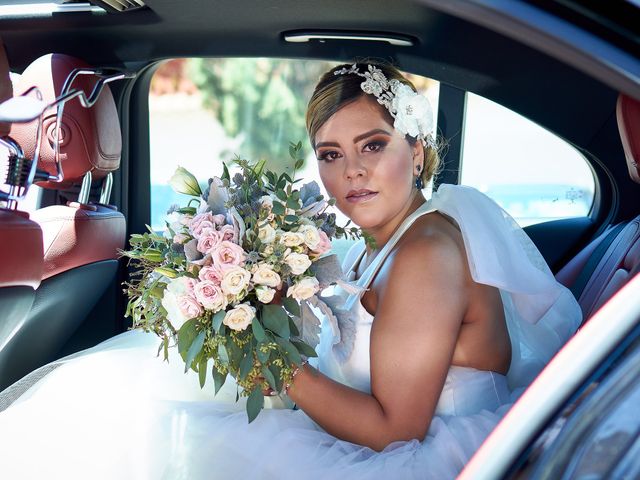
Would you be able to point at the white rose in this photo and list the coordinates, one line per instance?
(311, 236)
(265, 294)
(240, 317)
(298, 262)
(264, 275)
(235, 280)
(292, 239)
(304, 289)
(174, 313)
(267, 234)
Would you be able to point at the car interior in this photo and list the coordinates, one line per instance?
(61, 274)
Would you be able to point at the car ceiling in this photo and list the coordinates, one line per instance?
(453, 51)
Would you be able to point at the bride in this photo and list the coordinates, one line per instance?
(456, 313)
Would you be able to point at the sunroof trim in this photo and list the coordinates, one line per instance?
(45, 9)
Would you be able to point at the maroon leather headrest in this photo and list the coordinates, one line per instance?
(6, 90)
(628, 114)
(90, 137)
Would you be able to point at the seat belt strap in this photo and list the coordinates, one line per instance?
(590, 267)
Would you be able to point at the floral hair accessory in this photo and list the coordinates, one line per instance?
(412, 112)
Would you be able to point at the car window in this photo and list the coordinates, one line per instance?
(206, 111)
(510, 158)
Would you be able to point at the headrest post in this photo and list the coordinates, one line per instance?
(105, 194)
(85, 190)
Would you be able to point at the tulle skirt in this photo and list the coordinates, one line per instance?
(120, 412)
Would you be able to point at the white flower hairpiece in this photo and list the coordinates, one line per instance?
(412, 112)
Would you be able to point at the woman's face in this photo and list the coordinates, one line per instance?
(367, 165)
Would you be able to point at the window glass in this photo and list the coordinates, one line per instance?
(531, 173)
(206, 111)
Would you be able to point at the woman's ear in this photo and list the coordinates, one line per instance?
(418, 155)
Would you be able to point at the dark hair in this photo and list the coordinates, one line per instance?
(334, 92)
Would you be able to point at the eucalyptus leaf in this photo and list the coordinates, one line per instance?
(223, 354)
(255, 402)
(246, 364)
(293, 328)
(281, 195)
(277, 374)
(186, 336)
(202, 372)
(304, 349)
(292, 352)
(278, 208)
(263, 356)
(218, 379)
(291, 218)
(291, 305)
(194, 350)
(268, 375)
(293, 203)
(216, 321)
(276, 319)
(258, 331)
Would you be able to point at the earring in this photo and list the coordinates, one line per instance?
(419, 182)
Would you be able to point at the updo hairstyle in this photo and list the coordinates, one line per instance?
(336, 91)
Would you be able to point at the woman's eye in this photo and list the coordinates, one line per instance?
(374, 146)
(328, 156)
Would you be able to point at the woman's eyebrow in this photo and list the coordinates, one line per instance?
(356, 139)
(370, 133)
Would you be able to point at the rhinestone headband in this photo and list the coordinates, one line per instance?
(412, 112)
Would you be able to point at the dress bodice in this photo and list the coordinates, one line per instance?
(466, 390)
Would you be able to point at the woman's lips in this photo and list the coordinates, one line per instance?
(360, 196)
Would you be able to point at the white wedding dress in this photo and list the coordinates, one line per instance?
(118, 411)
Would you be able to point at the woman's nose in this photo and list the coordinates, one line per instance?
(353, 167)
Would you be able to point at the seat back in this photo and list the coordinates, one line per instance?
(80, 239)
(20, 254)
(610, 261)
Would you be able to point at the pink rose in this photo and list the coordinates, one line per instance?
(227, 232)
(189, 306)
(201, 222)
(228, 253)
(208, 241)
(213, 273)
(324, 245)
(210, 296)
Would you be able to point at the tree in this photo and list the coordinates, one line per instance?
(264, 100)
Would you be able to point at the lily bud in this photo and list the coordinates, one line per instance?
(184, 182)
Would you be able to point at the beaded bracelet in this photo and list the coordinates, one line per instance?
(293, 375)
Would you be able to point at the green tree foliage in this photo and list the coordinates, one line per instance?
(264, 100)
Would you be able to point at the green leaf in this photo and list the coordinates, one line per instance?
(187, 210)
(293, 203)
(186, 335)
(258, 331)
(194, 350)
(293, 328)
(268, 375)
(255, 402)
(202, 372)
(263, 356)
(225, 172)
(291, 218)
(246, 365)
(223, 354)
(304, 348)
(278, 208)
(291, 305)
(277, 374)
(216, 321)
(281, 195)
(299, 164)
(276, 319)
(167, 272)
(235, 354)
(218, 379)
(292, 352)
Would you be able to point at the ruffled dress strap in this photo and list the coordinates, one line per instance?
(541, 313)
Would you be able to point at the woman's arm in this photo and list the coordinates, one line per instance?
(420, 309)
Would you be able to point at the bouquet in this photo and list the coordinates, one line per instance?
(225, 279)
